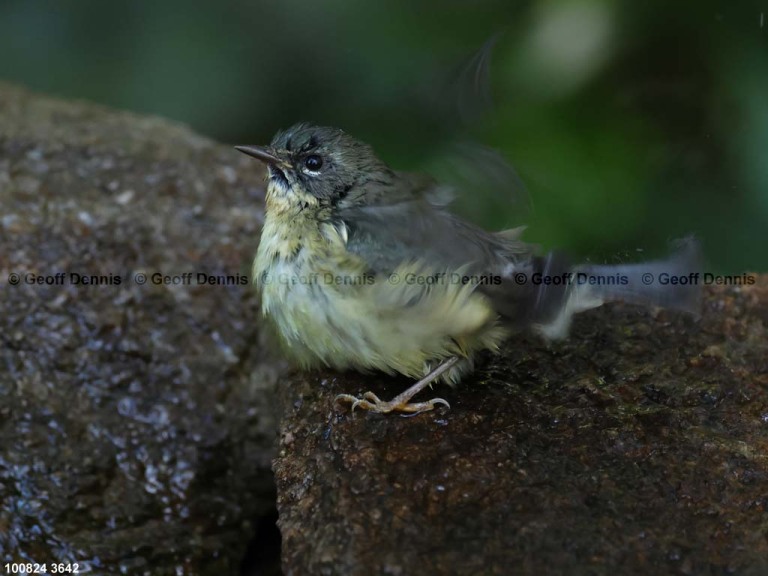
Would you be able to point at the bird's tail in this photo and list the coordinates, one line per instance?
(674, 282)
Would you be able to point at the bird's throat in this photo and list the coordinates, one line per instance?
(284, 200)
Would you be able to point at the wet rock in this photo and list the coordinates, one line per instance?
(638, 446)
(136, 431)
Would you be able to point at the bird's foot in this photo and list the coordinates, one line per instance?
(373, 403)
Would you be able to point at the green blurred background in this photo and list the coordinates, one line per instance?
(629, 123)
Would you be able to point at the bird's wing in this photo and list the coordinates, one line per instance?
(392, 235)
(386, 236)
(405, 219)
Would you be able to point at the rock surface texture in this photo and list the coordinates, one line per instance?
(638, 446)
(135, 431)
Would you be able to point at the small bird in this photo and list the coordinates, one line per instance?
(360, 266)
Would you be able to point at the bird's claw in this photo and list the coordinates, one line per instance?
(373, 403)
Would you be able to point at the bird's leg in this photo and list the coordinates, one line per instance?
(400, 403)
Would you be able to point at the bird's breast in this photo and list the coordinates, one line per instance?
(296, 267)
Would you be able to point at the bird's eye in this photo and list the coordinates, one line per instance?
(313, 162)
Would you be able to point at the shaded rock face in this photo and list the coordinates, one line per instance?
(638, 446)
(136, 433)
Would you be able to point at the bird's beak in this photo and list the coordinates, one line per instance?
(260, 152)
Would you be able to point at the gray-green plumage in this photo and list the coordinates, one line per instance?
(334, 209)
